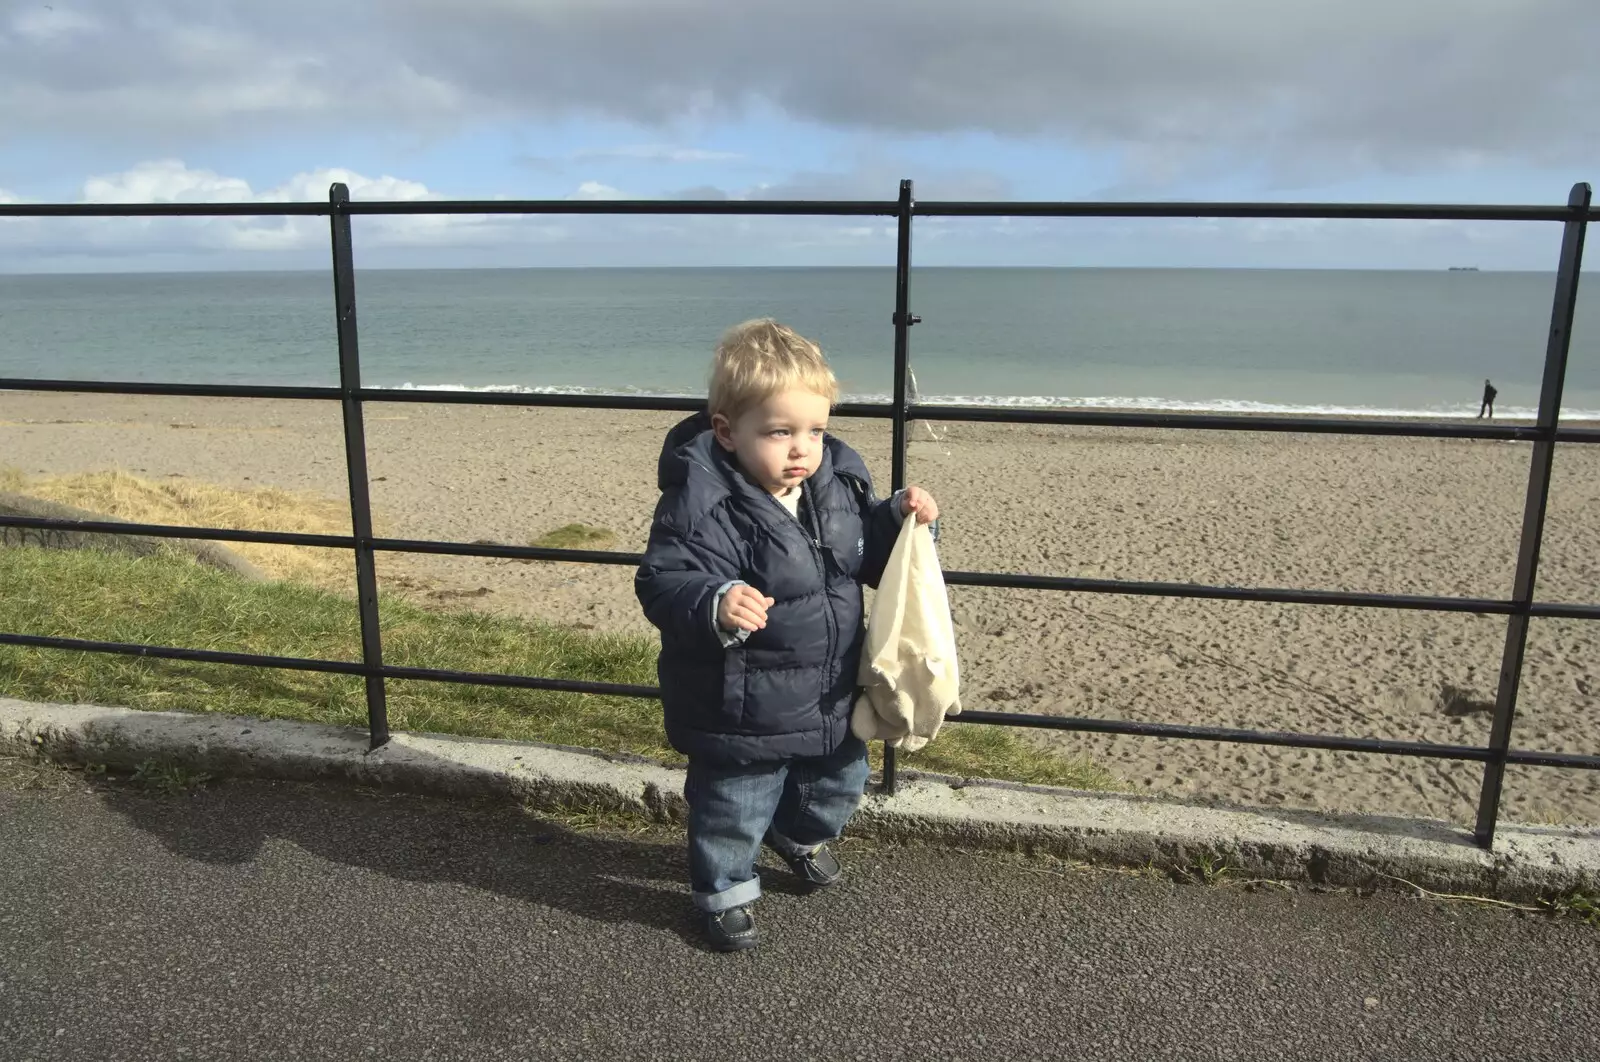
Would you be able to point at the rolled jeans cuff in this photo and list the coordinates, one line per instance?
(785, 847)
(726, 900)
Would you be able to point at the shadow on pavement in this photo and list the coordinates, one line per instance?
(493, 847)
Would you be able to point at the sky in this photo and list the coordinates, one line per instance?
(1468, 101)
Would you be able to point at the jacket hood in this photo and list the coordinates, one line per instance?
(691, 442)
(672, 468)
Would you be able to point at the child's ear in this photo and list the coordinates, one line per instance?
(722, 427)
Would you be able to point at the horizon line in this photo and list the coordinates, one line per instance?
(890, 266)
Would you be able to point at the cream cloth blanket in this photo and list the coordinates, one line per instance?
(909, 677)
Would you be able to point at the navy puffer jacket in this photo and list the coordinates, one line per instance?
(786, 691)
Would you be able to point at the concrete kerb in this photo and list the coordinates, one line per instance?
(1360, 851)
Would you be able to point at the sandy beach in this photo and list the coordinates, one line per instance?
(1324, 512)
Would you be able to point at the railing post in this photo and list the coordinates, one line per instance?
(903, 320)
(355, 459)
(1533, 512)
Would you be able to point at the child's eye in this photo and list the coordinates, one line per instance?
(779, 433)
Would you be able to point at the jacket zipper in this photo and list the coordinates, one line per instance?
(815, 543)
(815, 539)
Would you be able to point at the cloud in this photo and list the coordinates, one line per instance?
(656, 153)
(165, 181)
(34, 241)
(700, 191)
(596, 190)
(1304, 91)
(1356, 84)
(170, 72)
(43, 24)
(876, 176)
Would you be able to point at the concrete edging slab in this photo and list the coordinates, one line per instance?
(1335, 850)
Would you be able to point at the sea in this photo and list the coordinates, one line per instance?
(1345, 342)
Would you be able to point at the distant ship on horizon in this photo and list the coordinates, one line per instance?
(1463, 269)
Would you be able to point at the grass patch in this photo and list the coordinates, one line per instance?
(184, 502)
(574, 536)
(1208, 869)
(171, 601)
(162, 601)
(995, 752)
(1584, 906)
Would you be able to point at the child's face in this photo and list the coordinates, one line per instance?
(779, 442)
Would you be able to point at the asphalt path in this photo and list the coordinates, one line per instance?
(260, 920)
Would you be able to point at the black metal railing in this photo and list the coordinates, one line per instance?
(1543, 434)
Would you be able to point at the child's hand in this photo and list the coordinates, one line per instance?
(916, 500)
(743, 608)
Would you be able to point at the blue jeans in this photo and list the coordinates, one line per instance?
(805, 803)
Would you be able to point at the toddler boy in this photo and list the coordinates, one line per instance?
(766, 529)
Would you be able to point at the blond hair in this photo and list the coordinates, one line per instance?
(758, 359)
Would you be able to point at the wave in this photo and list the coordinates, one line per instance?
(1117, 403)
(520, 389)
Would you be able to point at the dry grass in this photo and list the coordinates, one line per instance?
(128, 497)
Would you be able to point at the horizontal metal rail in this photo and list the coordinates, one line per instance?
(843, 208)
(1200, 209)
(417, 395)
(163, 210)
(1415, 428)
(1076, 724)
(993, 580)
(525, 682)
(817, 208)
(194, 656)
(1561, 760)
(1330, 743)
(742, 207)
(646, 403)
(1203, 592)
(531, 553)
(1283, 739)
(199, 534)
(173, 390)
(337, 667)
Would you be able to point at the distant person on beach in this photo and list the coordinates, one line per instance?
(1488, 400)
(765, 531)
